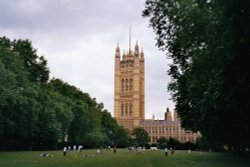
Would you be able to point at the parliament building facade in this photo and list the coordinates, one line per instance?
(129, 103)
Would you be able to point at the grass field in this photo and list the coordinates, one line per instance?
(122, 158)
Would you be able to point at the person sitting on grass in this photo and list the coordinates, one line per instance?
(45, 155)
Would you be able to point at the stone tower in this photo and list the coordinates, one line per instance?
(168, 115)
(129, 87)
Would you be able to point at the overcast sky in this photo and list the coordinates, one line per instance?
(79, 37)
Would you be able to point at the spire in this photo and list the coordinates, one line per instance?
(129, 39)
(142, 53)
(117, 51)
(124, 54)
(117, 48)
(136, 49)
(136, 46)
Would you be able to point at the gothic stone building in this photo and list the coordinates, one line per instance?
(169, 127)
(129, 87)
(129, 100)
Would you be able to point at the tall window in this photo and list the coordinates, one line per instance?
(122, 83)
(122, 111)
(126, 84)
(126, 109)
(130, 109)
(131, 84)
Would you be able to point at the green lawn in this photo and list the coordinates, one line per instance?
(122, 158)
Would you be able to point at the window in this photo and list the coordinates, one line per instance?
(131, 84)
(126, 109)
(122, 111)
(130, 109)
(122, 85)
(127, 85)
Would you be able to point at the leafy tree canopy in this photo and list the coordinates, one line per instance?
(208, 42)
(141, 136)
(38, 113)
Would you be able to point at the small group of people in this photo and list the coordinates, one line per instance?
(80, 147)
(171, 150)
(98, 151)
(75, 148)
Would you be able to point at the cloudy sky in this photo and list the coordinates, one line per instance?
(79, 37)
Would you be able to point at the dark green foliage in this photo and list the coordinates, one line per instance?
(208, 42)
(35, 65)
(115, 134)
(38, 114)
(205, 144)
(141, 136)
(174, 143)
(162, 143)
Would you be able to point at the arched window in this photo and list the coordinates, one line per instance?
(131, 84)
(126, 84)
(126, 109)
(130, 109)
(122, 111)
(122, 83)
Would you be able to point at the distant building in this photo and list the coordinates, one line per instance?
(129, 100)
(169, 127)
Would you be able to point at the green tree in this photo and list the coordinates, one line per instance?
(35, 65)
(208, 43)
(18, 109)
(162, 142)
(109, 125)
(120, 137)
(141, 136)
(37, 114)
(174, 143)
(114, 133)
(85, 127)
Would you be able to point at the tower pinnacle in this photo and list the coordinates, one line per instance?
(142, 53)
(117, 51)
(129, 39)
(136, 46)
(117, 48)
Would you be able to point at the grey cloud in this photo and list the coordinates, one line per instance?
(79, 37)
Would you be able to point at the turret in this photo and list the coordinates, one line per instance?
(123, 55)
(117, 52)
(168, 116)
(176, 117)
(142, 54)
(136, 49)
